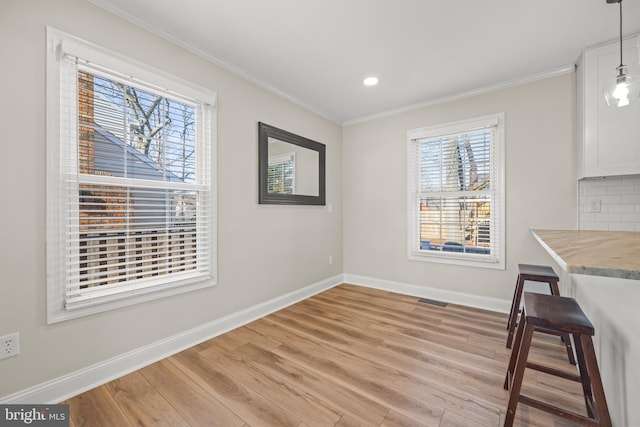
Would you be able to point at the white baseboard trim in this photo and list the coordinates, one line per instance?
(453, 297)
(66, 386)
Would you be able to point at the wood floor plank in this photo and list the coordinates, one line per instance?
(312, 410)
(142, 403)
(249, 405)
(395, 419)
(358, 408)
(336, 332)
(413, 383)
(369, 309)
(435, 372)
(349, 356)
(451, 419)
(192, 402)
(369, 317)
(96, 408)
(267, 327)
(361, 380)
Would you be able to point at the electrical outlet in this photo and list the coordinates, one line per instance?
(9, 345)
(596, 206)
(330, 260)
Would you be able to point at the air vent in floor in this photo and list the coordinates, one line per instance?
(433, 302)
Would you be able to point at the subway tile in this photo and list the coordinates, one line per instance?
(621, 208)
(595, 191)
(594, 226)
(622, 226)
(630, 199)
(630, 217)
(621, 189)
(620, 203)
(608, 217)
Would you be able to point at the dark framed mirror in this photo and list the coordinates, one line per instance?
(291, 168)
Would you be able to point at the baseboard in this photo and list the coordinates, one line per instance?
(470, 300)
(72, 384)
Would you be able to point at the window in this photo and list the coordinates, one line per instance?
(456, 192)
(281, 174)
(130, 185)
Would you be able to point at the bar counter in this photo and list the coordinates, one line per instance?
(595, 253)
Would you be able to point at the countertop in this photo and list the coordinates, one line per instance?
(596, 253)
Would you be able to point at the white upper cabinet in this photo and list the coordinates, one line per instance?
(608, 137)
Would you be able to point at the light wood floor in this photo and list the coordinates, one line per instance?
(350, 356)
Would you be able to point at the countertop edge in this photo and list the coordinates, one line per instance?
(585, 269)
(551, 252)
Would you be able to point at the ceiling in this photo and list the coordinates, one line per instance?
(317, 52)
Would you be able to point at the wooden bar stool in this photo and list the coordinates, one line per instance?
(549, 312)
(535, 273)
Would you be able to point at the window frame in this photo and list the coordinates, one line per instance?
(498, 203)
(59, 44)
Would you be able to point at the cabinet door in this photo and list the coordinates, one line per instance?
(611, 134)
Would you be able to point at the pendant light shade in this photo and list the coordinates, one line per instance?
(625, 87)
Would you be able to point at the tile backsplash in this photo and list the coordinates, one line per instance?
(610, 203)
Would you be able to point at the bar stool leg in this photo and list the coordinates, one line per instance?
(513, 304)
(584, 376)
(555, 290)
(515, 309)
(602, 409)
(518, 375)
(514, 356)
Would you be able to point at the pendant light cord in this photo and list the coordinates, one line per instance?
(620, 2)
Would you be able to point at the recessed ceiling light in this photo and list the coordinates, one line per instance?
(370, 81)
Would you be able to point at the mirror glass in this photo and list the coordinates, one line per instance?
(291, 168)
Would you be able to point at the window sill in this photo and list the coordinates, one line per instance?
(467, 260)
(57, 313)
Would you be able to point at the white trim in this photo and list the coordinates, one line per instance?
(453, 297)
(74, 383)
(475, 92)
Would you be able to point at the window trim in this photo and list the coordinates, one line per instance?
(58, 43)
(498, 172)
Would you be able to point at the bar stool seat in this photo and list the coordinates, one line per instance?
(564, 315)
(535, 273)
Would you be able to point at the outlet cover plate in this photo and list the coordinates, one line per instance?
(9, 345)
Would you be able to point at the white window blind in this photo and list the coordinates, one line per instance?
(135, 206)
(456, 192)
(281, 174)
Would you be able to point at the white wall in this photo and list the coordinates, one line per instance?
(540, 187)
(264, 251)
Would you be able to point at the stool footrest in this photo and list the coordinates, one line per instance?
(554, 371)
(571, 416)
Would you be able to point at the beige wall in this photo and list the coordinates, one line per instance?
(264, 251)
(540, 186)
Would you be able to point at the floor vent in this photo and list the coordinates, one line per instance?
(433, 302)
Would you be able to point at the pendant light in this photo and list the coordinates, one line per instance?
(626, 86)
